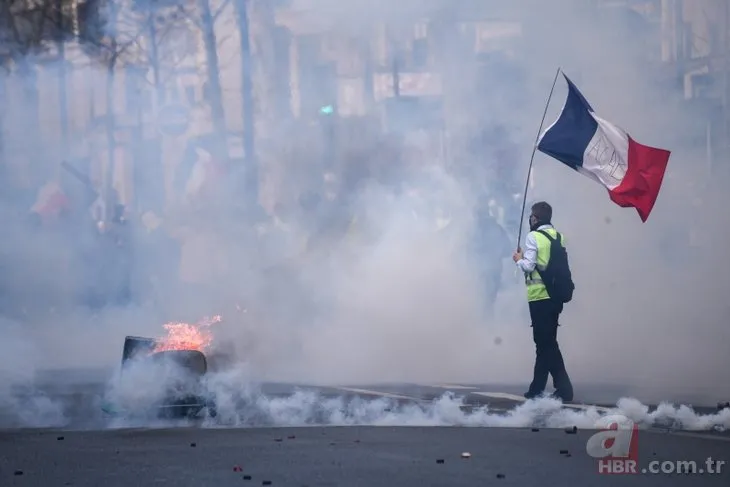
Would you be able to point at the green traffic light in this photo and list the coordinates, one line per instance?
(327, 110)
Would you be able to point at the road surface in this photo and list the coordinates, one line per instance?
(342, 456)
(85, 448)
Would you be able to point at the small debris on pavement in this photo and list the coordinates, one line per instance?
(18, 472)
(332, 444)
(266, 482)
(292, 437)
(278, 440)
(572, 430)
(61, 438)
(236, 468)
(568, 455)
(564, 452)
(500, 475)
(466, 454)
(535, 430)
(246, 477)
(440, 460)
(357, 441)
(193, 445)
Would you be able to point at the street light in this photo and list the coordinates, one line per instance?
(327, 124)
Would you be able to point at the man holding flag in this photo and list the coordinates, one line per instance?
(544, 302)
(631, 172)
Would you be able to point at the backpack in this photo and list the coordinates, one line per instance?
(557, 276)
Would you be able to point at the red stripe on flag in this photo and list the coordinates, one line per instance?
(640, 186)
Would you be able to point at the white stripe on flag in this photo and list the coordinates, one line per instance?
(605, 160)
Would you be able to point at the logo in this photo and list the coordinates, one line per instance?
(616, 445)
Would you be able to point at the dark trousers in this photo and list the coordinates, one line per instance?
(548, 361)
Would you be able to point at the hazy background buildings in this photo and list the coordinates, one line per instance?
(387, 74)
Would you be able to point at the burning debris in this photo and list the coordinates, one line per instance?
(185, 336)
(176, 363)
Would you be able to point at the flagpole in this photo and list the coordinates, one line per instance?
(532, 159)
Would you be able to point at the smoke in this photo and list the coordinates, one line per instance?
(132, 400)
(309, 409)
(401, 299)
(249, 406)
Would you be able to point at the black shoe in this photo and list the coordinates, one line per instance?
(562, 397)
(532, 395)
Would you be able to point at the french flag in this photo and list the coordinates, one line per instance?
(596, 148)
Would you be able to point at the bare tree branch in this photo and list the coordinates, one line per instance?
(195, 20)
(220, 10)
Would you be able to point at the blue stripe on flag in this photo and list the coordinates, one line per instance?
(567, 139)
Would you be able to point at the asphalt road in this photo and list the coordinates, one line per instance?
(339, 456)
(86, 449)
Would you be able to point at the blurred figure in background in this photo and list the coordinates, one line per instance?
(36, 277)
(198, 224)
(51, 207)
(206, 179)
(94, 251)
(491, 245)
(332, 212)
(156, 246)
(117, 257)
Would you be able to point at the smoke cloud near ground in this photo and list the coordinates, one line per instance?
(129, 399)
(404, 304)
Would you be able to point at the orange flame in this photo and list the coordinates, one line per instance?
(185, 336)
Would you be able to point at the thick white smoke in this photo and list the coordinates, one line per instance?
(241, 402)
(400, 301)
(248, 406)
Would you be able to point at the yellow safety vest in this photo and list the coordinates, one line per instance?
(536, 290)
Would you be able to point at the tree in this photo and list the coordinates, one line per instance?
(146, 37)
(153, 36)
(247, 89)
(29, 30)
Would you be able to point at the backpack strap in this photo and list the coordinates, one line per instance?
(552, 240)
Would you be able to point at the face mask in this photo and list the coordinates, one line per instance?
(534, 224)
